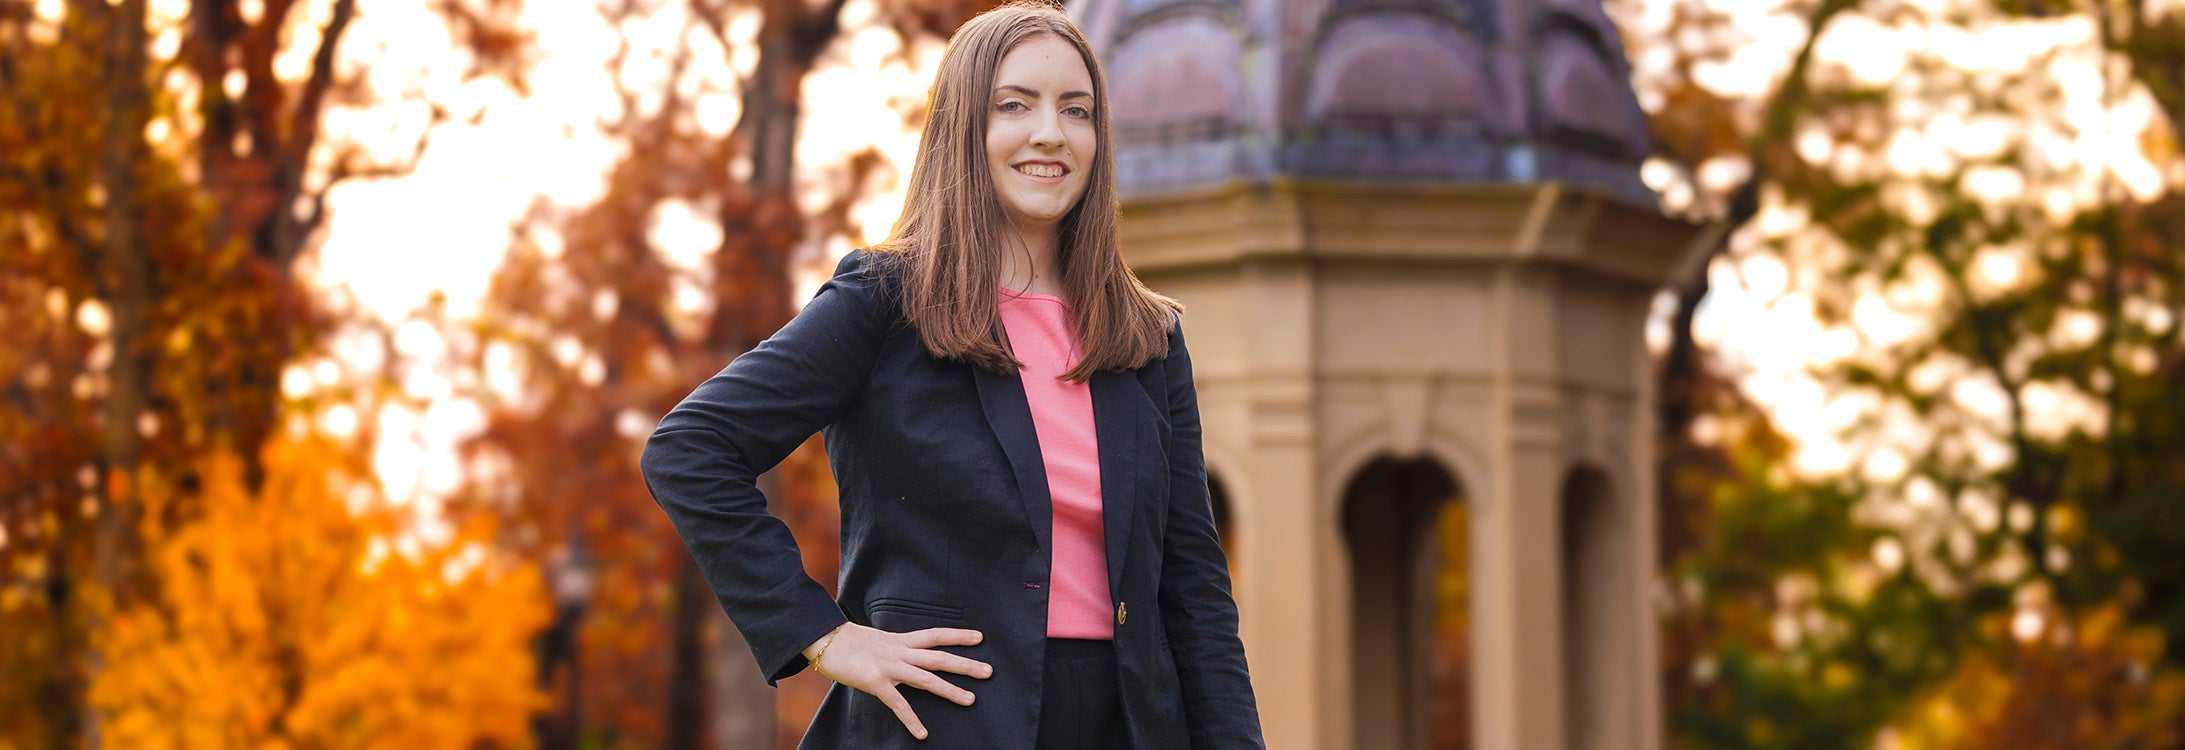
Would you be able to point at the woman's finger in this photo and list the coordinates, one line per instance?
(930, 637)
(932, 683)
(947, 662)
(894, 699)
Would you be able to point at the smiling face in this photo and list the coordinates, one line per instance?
(1040, 141)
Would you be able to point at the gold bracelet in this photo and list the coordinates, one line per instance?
(821, 652)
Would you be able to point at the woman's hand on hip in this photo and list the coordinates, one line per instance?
(875, 661)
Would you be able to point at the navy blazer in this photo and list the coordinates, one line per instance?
(946, 522)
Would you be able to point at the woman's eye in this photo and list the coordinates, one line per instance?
(1011, 106)
(1079, 112)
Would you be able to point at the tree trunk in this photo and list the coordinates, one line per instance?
(1677, 391)
(760, 230)
(686, 678)
(743, 706)
(126, 277)
(1683, 371)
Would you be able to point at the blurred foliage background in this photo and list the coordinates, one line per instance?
(1968, 209)
(275, 474)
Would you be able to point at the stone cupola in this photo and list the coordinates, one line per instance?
(1209, 91)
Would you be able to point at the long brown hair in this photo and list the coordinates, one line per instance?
(949, 240)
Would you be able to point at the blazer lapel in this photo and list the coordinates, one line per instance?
(1009, 413)
(1117, 426)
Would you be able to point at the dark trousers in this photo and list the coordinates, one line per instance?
(1081, 707)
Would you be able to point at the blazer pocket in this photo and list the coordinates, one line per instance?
(914, 608)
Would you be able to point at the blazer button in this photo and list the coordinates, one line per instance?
(1120, 612)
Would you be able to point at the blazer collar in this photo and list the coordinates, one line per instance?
(1116, 425)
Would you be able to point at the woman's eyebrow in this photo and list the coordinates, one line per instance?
(1035, 94)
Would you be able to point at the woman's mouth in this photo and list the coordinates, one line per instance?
(1042, 172)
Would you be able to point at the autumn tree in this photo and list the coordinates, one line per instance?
(306, 613)
(1998, 311)
(162, 171)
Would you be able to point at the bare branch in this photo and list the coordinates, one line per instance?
(313, 99)
(1782, 111)
(351, 163)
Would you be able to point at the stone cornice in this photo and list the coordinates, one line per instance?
(1338, 221)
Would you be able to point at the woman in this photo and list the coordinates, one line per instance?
(1027, 544)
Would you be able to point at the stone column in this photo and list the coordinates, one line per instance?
(1288, 554)
(1516, 689)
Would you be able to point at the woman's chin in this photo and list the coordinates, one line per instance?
(1038, 216)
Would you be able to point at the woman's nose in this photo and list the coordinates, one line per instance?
(1049, 130)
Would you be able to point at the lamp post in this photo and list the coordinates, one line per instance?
(569, 580)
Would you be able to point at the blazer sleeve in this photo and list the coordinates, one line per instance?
(703, 462)
(1197, 609)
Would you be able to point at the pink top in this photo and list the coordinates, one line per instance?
(1077, 580)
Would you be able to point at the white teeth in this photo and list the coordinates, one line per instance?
(1041, 170)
